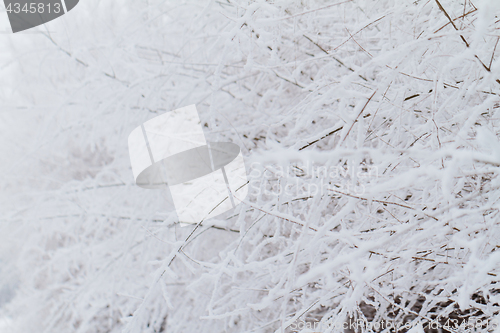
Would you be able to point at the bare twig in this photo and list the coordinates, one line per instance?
(461, 16)
(488, 69)
(381, 201)
(334, 58)
(324, 136)
(359, 114)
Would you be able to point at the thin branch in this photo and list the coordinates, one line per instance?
(488, 69)
(451, 21)
(334, 58)
(493, 53)
(324, 136)
(461, 16)
(381, 201)
(359, 114)
(313, 10)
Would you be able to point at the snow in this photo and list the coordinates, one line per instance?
(386, 96)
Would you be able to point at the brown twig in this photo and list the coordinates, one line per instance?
(287, 80)
(324, 136)
(366, 26)
(451, 21)
(488, 69)
(493, 54)
(359, 114)
(337, 60)
(380, 201)
(461, 16)
(313, 10)
(275, 215)
(355, 41)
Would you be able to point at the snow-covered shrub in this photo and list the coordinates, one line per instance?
(370, 133)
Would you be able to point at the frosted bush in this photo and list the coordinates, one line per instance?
(370, 134)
